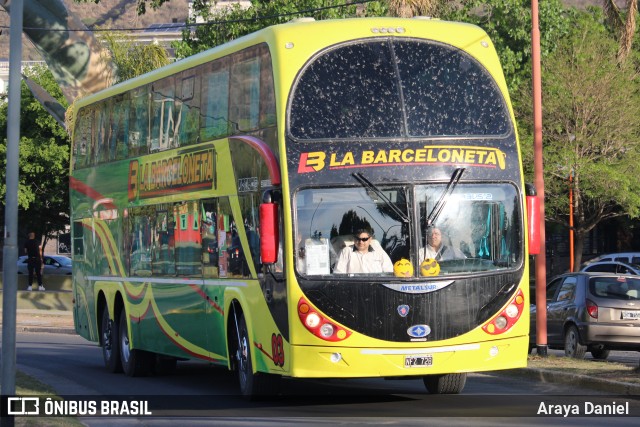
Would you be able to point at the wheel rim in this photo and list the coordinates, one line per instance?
(106, 338)
(124, 344)
(571, 341)
(242, 359)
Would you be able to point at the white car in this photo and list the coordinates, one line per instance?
(53, 265)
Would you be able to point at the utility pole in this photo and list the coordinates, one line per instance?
(10, 248)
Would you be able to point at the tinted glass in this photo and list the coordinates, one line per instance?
(616, 288)
(369, 89)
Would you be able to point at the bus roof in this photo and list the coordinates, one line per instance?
(307, 36)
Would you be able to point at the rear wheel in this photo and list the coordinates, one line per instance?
(252, 385)
(572, 346)
(135, 363)
(109, 343)
(445, 384)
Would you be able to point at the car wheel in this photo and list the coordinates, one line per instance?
(445, 384)
(572, 346)
(600, 353)
(109, 343)
(135, 363)
(252, 386)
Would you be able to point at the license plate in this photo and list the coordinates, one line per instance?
(631, 314)
(416, 361)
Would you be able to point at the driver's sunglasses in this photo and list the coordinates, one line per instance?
(362, 239)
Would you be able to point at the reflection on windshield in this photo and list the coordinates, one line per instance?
(478, 229)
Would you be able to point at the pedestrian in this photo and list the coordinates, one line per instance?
(34, 262)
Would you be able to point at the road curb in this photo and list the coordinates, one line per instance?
(52, 330)
(548, 376)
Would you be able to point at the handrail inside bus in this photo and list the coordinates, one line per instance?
(265, 152)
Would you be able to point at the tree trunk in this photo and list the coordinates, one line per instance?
(578, 246)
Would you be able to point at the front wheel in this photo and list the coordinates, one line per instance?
(572, 346)
(445, 384)
(109, 343)
(252, 385)
(135, 363)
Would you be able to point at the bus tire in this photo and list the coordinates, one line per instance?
(572, 346)
(253, 386)
(445, 384)
(135, 363)
(109, 342)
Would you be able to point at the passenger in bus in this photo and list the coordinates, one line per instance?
(362, 257)
(436, 249)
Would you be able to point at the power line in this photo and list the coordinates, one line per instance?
(199, 24)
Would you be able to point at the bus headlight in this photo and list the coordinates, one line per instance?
(313, 320)
(508, 317)
(326, 330)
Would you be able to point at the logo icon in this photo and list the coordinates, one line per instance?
(419, 331)
(23, 406)
(403, 310)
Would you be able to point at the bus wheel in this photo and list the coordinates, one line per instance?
(109, 343)
(135, 363)
(445, 384)
(252, 386)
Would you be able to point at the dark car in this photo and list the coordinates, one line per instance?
(616, 267)
(595, 312)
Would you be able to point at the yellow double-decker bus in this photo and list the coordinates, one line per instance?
(331, 199)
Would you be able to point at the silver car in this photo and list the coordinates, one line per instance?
(53, 265)
(594, 312)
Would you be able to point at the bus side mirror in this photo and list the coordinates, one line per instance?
(533, 219)
(269, 238)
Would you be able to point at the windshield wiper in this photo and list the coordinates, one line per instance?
(371, 186)
(444, 197)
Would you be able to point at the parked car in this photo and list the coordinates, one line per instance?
(627, 257)
(595, 312)
(53, 265)
(613, 267)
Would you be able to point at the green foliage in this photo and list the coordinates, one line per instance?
(508, 23)
(43, 193)
(132, 59)
(590, 109)
(231, 23)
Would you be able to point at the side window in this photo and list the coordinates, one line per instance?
(188, 241)
(187, 108)
(568, 290)
(209, 232)
(215, 101)
(121, 127)
(140, 247)
(78, 238)
(139, 121)
(82, 139)
(163, 125)
(244, 109)
(552, 288)
(163, 261)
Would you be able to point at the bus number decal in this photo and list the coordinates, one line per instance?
(277, 349)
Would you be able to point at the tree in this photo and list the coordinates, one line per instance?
(591, 104)
(131, 59)
(43, 188)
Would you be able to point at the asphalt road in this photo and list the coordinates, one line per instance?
(198, 393)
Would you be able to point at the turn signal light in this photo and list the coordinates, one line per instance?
(507, 317)
(319, 325)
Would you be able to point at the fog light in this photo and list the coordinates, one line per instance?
(493, 351)
(501, 322)
(326, 330)
(336, 357)
(313, 320)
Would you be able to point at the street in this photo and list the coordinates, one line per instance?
(74, 368)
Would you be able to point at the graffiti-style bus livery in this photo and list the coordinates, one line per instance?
(213, 198)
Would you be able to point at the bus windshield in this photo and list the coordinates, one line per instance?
(477, 229)
(397, 89)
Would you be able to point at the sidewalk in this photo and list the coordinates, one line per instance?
(34, 320)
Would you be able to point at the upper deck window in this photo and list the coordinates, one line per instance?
(396, 88)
